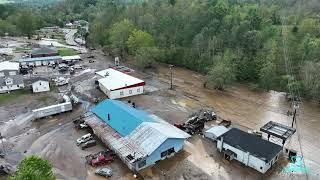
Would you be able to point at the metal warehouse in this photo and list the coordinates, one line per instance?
(40, 61)
(116, 84)
(138, 138)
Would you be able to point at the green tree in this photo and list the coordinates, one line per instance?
(120, 33)
(222, 73)
(6, 27)
(311, 79)
(34, 168)
(26, 23)
(139, 39)
(147, 56)
(268, 75)
(310, 25)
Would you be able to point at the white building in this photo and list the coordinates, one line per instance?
(214, 132)
(40, 85)
(71, 58)
(9, 77)
(40, 61)
(9, 68)
(116, 84)
(248, 149)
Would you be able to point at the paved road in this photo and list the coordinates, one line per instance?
(69, 35)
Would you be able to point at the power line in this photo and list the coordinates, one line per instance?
(294, 91)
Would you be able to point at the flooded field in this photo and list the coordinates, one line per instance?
(248, 110)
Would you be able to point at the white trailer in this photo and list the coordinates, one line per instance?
(52, 110)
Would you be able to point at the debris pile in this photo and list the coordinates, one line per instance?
(6, 169)
(195, 124)
(225, 123)
(100, 158)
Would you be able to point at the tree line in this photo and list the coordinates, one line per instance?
(273, 45)
(228, 40)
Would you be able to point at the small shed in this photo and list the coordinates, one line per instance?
(215, 131)
(40, 85)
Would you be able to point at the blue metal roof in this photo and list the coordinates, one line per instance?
(123, 118)
(49, 58)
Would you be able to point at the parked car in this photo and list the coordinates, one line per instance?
(88, 144)
(84, 138)
(105, 172)
(77, 66)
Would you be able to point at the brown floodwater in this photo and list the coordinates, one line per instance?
(251, 110)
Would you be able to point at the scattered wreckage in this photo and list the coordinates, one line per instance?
(61, 81)
(195, 124)
(6, 169)
(101, 158)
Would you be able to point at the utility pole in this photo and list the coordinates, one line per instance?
(171, 76)
(295, 106)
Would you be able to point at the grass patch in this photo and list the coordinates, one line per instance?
(67, 52)
(43, 99)
(54, 88)
(6, 97)
(18, 49)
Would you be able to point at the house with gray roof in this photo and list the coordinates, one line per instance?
(11, 83)
(9, 77)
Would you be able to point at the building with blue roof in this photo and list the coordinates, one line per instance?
(121, 117)
(138, 138)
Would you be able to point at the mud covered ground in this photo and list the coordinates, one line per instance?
(54, 138)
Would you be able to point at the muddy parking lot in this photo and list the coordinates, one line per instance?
(54, 138)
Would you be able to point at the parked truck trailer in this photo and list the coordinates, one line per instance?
(52, 110)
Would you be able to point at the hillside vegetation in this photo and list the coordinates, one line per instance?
(270, 44)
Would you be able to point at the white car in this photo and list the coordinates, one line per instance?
(105, 172)
(77, 67)
(83, 125)
(84, 139)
